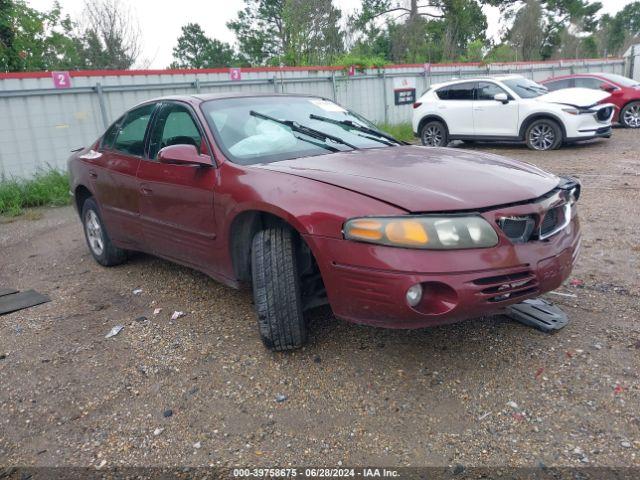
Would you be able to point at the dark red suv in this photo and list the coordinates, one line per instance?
(625, 93)
(312, 204)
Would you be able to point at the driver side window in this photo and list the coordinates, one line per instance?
(174, 126)
(488, 90)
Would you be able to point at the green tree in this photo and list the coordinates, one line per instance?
(295, 32)
(33, 40)
(615, 34)
(196, 50)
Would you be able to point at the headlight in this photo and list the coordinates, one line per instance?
(427, 232)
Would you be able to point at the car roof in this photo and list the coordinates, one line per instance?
(499, 78)
(204, 97)
(599, 75)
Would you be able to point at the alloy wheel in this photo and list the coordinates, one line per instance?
(94, 232)
(432, 136)
(542, 136)
(631, 116)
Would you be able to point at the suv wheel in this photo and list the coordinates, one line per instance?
(543, 135)
(630, 115)
(100, 246)
(434, 134)
(276, 289)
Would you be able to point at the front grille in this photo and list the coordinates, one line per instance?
(549, 221)
(604, 113)
(507, 287)
(517, 229)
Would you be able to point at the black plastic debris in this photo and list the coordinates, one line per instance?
(14, 301)
(538, 313)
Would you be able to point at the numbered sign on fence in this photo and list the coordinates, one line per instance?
(235, 74)
(61, 79)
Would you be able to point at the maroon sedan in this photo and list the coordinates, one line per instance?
(625, 93)
(312, 204)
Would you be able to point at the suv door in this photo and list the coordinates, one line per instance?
(176, 201)
(492, 118)
(113, 174)
(455, 105)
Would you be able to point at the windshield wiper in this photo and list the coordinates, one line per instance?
(296, 127)
(357, 126)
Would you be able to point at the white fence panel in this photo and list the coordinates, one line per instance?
(39, 124)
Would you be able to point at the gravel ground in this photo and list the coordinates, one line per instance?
(202, 390)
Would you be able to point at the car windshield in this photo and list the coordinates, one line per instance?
(525, 88)
(268, 129)
(620, 80)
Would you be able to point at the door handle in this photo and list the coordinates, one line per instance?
(145, 190)
(93, 174)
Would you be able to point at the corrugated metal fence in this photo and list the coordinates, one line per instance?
(40, 124)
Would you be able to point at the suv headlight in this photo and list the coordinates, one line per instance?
(433, 232)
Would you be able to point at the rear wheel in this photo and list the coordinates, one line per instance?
(630, 115)
(276, 289)
(98, 241)
(543, 135)
(434, 134)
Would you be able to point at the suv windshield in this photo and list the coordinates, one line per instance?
(525, 88)
(268, 129)
(620, 80)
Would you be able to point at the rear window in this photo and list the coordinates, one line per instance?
(459, 91)
(620, 80)
(558, 84)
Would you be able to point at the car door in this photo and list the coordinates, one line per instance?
(113, 174)
(176, 201)
(493, 118)
(455, 106)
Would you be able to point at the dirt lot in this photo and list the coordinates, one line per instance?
(485, 392)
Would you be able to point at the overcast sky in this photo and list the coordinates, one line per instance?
(160, 21)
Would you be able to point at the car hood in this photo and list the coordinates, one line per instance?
(421, 179)
(575, 97)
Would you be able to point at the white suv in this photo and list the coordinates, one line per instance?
(510, 108)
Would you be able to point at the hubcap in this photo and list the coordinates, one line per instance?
(542, 137)
(432, 136)
(94, 232)
(632, 116)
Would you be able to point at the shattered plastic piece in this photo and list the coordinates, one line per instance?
(618, 389)
(576, 282)
(281, 398)
(571, 295)
(158, 431)
(176, 315)
(197, 445)
(137, 291)
(539, 372)
(114, 331)
(538, 313)
(157, 311)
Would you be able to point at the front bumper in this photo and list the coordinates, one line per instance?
(367, 283)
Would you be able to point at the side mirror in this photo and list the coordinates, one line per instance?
(501, 97)
(183, 155)
(608, 88)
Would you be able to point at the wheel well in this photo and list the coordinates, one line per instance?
(541, 116)
(243, 229)
(81, 195)
(429, 118)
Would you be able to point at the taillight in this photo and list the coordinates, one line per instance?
(417, 105)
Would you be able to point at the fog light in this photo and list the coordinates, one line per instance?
(414, 295)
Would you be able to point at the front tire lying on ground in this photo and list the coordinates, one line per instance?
(276, 289)
(543, 135)
(98, 241)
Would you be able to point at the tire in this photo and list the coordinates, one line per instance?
(276, 289)
(630, 115)
(434, 134)
(543, 135)
(98, 241)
